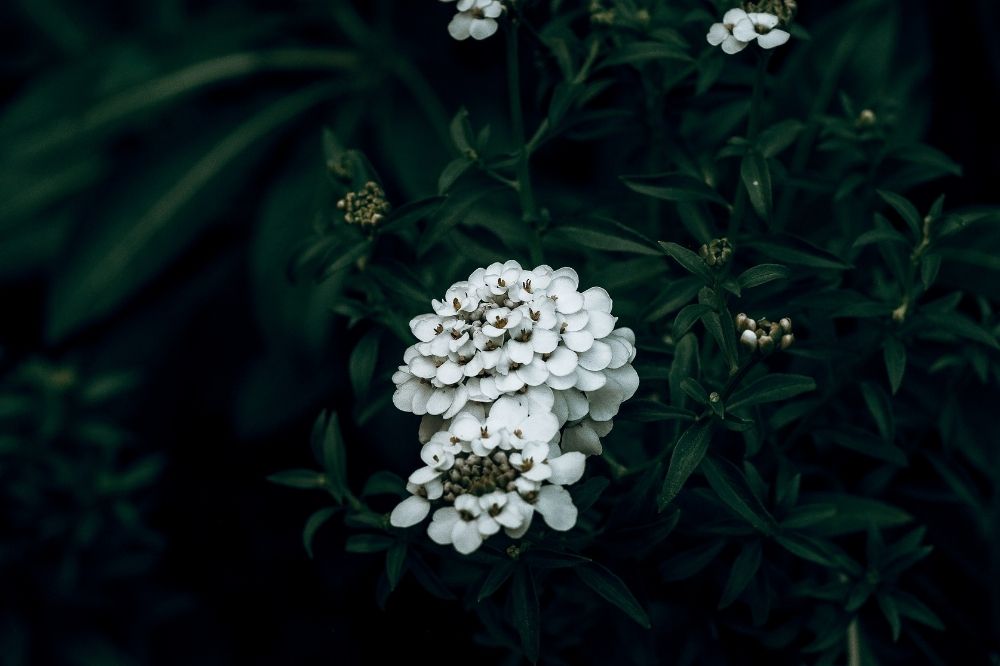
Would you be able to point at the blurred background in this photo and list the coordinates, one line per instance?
(161, 162)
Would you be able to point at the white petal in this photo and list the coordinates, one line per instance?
(538, 399)
(423, 367)
(543, 340)
(600, 324)
(717, 34)
(567, 468)
(597, 358)
(424, 327)
(469, 504)
(424, 392)
(533, 374)
(606, 401)
(773, 39)
(481, 29)
(620, 351)
(466, 427)
(561, 362)
(734, 16)
(520, 352)
(744, 31)
(539, 428)
(460, 26)
(506, 412)
(441, 525)
(493, 10)
(587, 380)
(576, 321)
(568, 299)
(429, 425)
(580, 341)
(525, 510)
(597, 299)
(410, 511)
(440, 400)
(486, 525)
(458, 402)
(466, 537)
(583, 439)
(556, 507)
(449, 372)
(563, 383)
(464, 6)
(510, 517)
(509, 383)
(403, 397)
(733, 45)
(627, 377)
(763, 19)
(536, 451)
(424, 475)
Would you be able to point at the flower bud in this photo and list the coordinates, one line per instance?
(749, 340)
(786, 324)
(787, 340)
(866, 118)
(741, 322)
(766, 344)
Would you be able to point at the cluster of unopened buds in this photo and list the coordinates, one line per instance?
(763, 334)
(475, 18)
(716, 252)
(367, 206)
(517, 375)
(756, 22)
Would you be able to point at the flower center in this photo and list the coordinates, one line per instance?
(479, 476)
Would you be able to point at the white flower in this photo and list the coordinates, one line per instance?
(553, 502)
(536, 463)
(763, 28)
(475, 19)
(723, 33)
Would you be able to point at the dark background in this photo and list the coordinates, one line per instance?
(233, 583)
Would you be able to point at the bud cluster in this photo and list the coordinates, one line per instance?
(783, 9)
(763, 334)
(716, 252)
(367, 206)
(601, 15)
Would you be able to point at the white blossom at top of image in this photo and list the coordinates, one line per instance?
(738, 28)
(475, 18)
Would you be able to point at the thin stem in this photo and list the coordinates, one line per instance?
(853, 644)
(529, 209)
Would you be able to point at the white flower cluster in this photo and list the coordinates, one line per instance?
(518, 375)
(475, 18)
(738, 28)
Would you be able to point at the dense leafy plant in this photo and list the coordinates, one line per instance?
(762, 488)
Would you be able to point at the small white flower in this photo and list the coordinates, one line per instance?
(459, 525)
(763, 28)
(475, 19)
(536, 464)
(724, 33)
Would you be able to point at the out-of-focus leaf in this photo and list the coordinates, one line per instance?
(906, 210)
(598, 240)
(612, 588)
(315, 521)
(361, 366)
(744, 569)
(894, 354)
(651, 410)
(756, 177)
(762, 274)
(687, 455)
(791, 250)
(771, 388)
(368, 543)
(674, 187)
(729, 484)
(524, 604)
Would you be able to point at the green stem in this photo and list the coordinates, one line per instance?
(853, 644)
(529, 208)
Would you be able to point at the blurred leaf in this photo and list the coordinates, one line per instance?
(906, 210)
(639, 52)
(598, 240)
(524, 605)
(730, 485)
(778, 137)
(771, 388)
(744, 569)
(756, 177)
(911, 607)
(299, 478)
(127, 250)
(384, 483)
(686, 318)
(687, 455)
(894, 354)
(792, 250)
(395, 563)
(688, 563)
(361, 366)
(674, 187)
(407, 214)
(586, 494)
(315, 521)
(496, 577)
(855, 514)
(646, 411)
(368, 543)
(688, 260)
(880, 408)
(614, 590)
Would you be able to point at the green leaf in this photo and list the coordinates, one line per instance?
(756, 177)
(496, 577)
(688, 260)
(647, 411)
(346, 256)
(880, 408)
(299, 478)
(906, 210)
(686, 364)
(729, 484)
(930, 266)
(675, 295)
(674, 187)
(855, 514)
(911, 607)
(587, 493)
(598, 240)
(771, 388)
(332, 454)
(808, 548)
(407, 214)
(461, 133)
(880, 237)
(361, 365)
(762, 274)
(894, 354)
(963, 327)
(395, 563)
(368, 543)
(778, 137)
(686, 318)
(694, 390)
(614, 590)
(315, 521)
(524, 604)
(807, 515)
(384, 483)
(633, 53)
(724, 334)
(132, 245)
(688, 563)
(687, 455)
(793, 250)
(744, 569)
(452, 172)
(891, 613)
